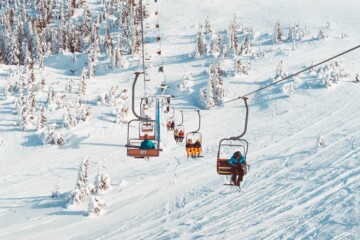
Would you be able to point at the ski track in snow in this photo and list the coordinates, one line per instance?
(294, 189)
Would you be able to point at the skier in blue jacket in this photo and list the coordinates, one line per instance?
(147, 144)
(238, 167)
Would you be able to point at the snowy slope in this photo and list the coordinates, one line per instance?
(294, 190)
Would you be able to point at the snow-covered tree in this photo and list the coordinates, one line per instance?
(51, 99)
(84, 75)
(280, 71)
(103, 180)
(219, 83)
(122, 113)
(96, 204)
(84, 113)
(91, 67)
(217, 48)
(277, 33)
(288, 89)
(8, 90)
(50, 136)
(69, 120)
(117, 57)
(69, 86)
(322, 34)
(199, 46)
(82, 179)
(207, 27)
(185, 84)
(321, 142)
(42, 118)
(207, 96)
(12, 51)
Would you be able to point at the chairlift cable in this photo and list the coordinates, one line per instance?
(297, 73)
(142, 44)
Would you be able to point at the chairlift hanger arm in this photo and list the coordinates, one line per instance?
(133, 96)
(182, 119)
(198, 111)
(173, 115)
(241, 142)
(246, 119)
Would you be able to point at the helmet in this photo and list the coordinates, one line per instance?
(197, 140)
(146, 136)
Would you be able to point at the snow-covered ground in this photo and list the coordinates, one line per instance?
(295, 189)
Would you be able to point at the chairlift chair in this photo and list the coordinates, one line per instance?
(147, 78)
(147, 128)
(195, 135)
(133, 144)
(180, 127)
(227, 147)
(144, 123)
(147, 57)
(237, 143)
(171, 120)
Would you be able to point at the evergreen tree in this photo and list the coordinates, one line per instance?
(12, 51)
(277, 33)
(84, 75)
(117, 57)
(219, 91)
(42, 118)
(86, 22)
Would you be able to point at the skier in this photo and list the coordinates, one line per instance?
(147, 144)
(197, 147)
(176, 135)
(181, 135)
(238, 168)
(169, 125)
(190, 149)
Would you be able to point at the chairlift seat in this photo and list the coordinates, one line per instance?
(223, 166)
(151, 137)
(142, 153)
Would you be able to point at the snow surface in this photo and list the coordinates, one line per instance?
(294, 190)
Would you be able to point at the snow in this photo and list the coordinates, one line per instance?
(295, 189)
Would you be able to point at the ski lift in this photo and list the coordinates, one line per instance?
(133, 144)
(159, 52)
(195, 135)
(226, 148)
(226, 144)
(158, 38)
(163, 86)
(166, 104)
(147, 57)
(146, 126)
(157, 25)
(147, 78)
(170, 122)
(161, 69)
(180, 127)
